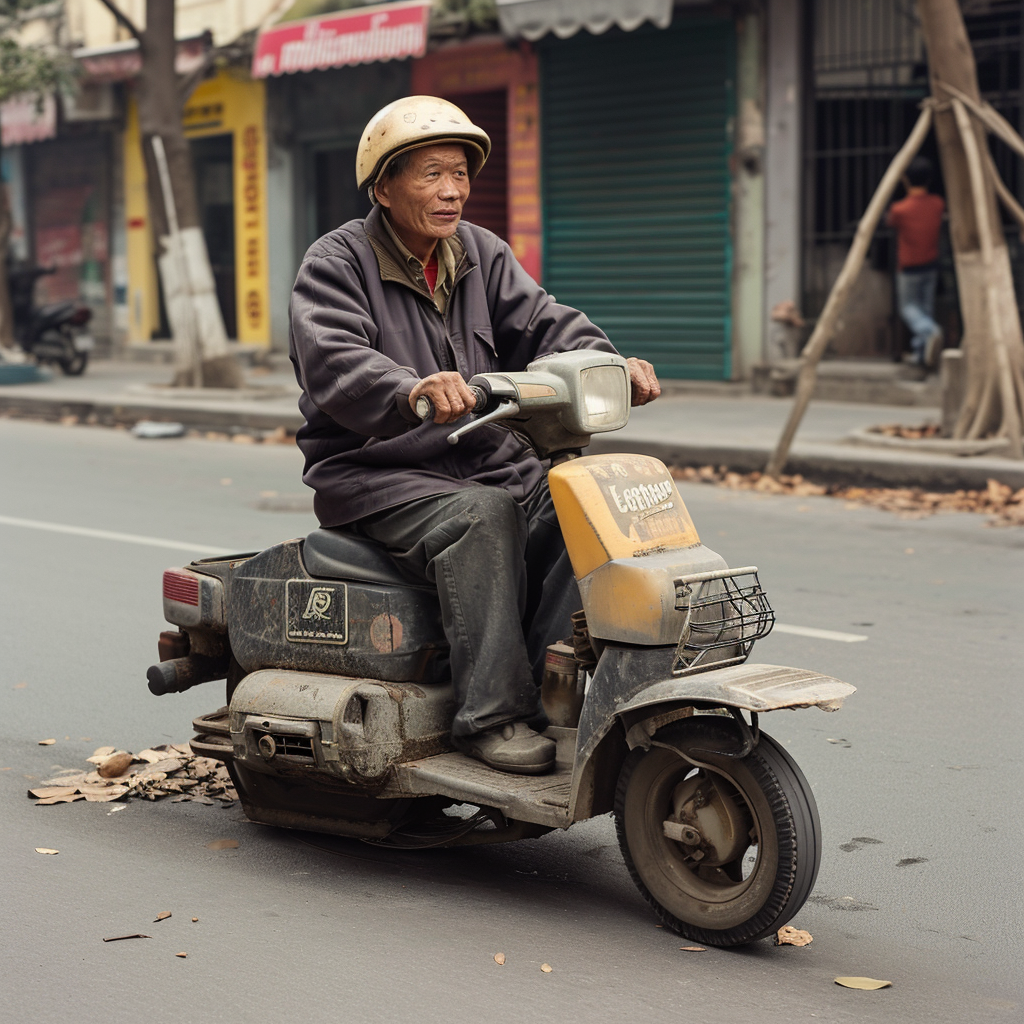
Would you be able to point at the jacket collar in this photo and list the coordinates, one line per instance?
(393, 265)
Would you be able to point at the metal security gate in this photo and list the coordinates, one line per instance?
(635, 131)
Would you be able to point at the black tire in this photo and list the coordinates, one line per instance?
(74, 366)
(733, 901)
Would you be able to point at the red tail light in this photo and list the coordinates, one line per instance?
(82, 315)
(181, 586)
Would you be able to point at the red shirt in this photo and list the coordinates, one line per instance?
(430, 273)
(917, 220)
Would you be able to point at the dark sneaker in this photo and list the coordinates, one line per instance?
(932, 351)
(514, 748)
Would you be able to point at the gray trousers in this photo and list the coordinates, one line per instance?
(506, 588)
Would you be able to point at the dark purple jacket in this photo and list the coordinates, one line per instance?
(361, 337)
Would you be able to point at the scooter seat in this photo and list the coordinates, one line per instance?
(337, 554)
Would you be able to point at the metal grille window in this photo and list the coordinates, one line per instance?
(869, 73)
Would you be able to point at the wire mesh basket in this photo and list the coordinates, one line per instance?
(727, 609)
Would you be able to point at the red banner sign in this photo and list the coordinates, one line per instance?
(362, 36)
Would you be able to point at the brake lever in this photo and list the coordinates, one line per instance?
(506, 410)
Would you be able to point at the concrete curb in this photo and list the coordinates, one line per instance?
(111, 411)
(832, 463)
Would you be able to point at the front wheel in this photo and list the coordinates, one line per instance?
(725, 854)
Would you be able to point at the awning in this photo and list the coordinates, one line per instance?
(531, 19)
(361, 36)
(122, 61)
(27, 119)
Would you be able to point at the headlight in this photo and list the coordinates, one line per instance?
(605, 397)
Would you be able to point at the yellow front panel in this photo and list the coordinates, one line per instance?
(618, 506)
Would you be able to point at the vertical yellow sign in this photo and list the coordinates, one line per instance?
(251, 272)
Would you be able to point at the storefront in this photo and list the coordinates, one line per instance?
(225, 121)
(636, 142)
(59, 178)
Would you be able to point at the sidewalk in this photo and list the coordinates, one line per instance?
(689, 425)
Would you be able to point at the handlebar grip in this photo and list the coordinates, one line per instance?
(425, 407)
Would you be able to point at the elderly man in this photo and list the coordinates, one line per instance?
(410, 302)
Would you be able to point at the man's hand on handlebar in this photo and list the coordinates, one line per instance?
(643, 382)
(449, 394)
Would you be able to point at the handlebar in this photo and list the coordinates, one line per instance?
(425, 407)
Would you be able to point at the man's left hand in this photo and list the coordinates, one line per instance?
(643, 382)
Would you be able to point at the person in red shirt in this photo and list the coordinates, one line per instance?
(917, 220)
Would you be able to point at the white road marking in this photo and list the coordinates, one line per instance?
(124, 538)
(819, 634)
(177, 545)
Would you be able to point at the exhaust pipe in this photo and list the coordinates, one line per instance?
(180, 674)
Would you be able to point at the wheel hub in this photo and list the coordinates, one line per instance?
(707, 822)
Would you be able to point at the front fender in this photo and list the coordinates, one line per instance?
(749, 687)
(632, 685)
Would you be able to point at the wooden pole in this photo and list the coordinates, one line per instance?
(1011, 421)
(989, 117)
(1008, 199)
(837, 299)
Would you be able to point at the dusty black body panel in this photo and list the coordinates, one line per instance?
(282, 617)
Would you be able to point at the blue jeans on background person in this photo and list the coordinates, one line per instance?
(915, 293)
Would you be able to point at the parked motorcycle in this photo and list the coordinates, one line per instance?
(339, 703)
(53, 333)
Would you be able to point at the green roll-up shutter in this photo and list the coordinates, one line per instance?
(636, 144)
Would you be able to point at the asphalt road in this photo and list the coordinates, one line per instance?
(918, 781)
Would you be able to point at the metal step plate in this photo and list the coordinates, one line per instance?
(543, 799)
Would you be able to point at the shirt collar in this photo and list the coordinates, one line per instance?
(443, 252)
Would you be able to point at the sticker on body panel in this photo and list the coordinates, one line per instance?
(642, 498)
(316, 613)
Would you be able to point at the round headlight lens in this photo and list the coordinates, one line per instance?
(605, 397)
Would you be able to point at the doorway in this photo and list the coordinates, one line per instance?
(212, 158)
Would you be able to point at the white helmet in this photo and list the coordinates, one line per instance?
(411, 123)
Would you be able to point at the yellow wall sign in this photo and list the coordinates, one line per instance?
(226, 104)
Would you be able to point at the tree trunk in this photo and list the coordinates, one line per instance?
(993, 345)
(189, 291)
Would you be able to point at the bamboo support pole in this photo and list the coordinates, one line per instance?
(1011, 420)
(1006, 197)
(838, 297)
(989, 117)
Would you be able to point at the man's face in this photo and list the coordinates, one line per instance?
(425, 201)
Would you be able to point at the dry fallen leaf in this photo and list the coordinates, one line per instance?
(546, 968)
(43, 849)
(867, 984)
(100, 754)
(693, 949)
(116, 764)
(60, 800)
(118, 938)
(47, 791)
(162, 916)
(789, 936)
(46, 743)
(182, 955)
(499, 959)
(223, 844)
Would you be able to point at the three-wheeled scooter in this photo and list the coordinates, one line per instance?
(339, 702)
